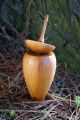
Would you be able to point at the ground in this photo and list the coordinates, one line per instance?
(59, 103)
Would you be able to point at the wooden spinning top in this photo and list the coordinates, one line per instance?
(39, 66)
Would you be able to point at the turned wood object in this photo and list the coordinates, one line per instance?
(39, 65)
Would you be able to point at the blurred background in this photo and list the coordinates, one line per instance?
(22, 19)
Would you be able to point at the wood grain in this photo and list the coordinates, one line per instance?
(39, 71)
(41, 39)
(39, 47)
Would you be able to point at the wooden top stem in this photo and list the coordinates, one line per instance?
(41, 39)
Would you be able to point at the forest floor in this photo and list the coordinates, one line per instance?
(15, 102)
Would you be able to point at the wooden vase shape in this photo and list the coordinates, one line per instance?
(39, 65)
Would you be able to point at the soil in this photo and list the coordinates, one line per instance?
(59, 103)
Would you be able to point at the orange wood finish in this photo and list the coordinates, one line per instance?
(39, 65)
(41, 38)
(39, 71)
(39, 47)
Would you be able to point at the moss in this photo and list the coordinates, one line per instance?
(13, 11)
(63, 29)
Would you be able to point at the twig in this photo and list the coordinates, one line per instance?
(47, 113)
(20, 116)
(11, 26)
(60, 98)
(72, 115)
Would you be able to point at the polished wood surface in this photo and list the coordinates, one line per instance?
(41, 39)
(39, 65)
(39, 47)
(39, 71)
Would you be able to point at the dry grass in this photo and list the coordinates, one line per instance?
(58, 105)
(60, 101)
